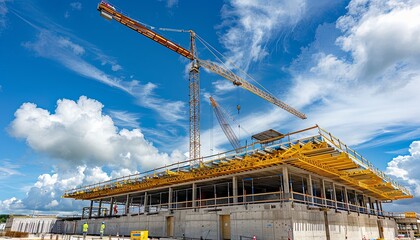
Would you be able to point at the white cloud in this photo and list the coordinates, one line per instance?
(52, 204)
(79, 133)
(356, 96)
(125, 119)
(251, 24)
(69, 54)
(116, 67)
(76, 6)
(3, 12)
(46, 180)
(406, 168)
(171, 3)
(384, 37)
(372, 88)
(145, 94)
(223, 86)
(10, 204)
(8, 169)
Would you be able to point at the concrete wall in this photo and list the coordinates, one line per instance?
(32, 224)
(265, 221)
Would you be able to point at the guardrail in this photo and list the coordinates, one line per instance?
(359, 159)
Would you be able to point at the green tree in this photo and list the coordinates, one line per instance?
(3, 218)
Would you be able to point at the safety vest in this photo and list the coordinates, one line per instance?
(102, 228)
(85, 227)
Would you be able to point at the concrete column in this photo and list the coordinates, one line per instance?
(194, 195)
(100, 208)
(324, 195)
(235, 189)
(356, 199)
(346, 199)
(370, 206)
(127, 204)
(334, 196)
(146, 202)
(365, 204)
(111, 207)
(380, 206)
(90, 209)
(310, 189)
(286, 186)
(170, 198)
(377, 207)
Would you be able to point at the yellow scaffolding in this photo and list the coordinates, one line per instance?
(322, 154)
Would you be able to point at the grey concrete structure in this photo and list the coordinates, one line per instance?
(29, 224)
(286, 220)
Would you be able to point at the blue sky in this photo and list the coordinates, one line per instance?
(84, 99)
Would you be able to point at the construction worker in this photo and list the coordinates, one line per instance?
(102, 230)
(85, 230)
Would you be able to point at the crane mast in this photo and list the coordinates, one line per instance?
(109, 12)
(227, 129)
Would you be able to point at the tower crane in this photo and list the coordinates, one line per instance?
(109, 12)
(227, 129)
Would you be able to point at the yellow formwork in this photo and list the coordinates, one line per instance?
(321, 155)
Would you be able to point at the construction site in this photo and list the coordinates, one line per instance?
(303, 184)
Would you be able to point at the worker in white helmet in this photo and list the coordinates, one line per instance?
(102, 230)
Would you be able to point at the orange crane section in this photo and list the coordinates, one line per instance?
(109, 12)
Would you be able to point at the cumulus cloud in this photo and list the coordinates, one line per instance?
(335, 89)
(79, 133)
(83, 142)
(10, 204)
(406, 168)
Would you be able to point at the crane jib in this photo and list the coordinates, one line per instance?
(109, 12)
(248, 86)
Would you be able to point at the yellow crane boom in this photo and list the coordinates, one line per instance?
(235, 79)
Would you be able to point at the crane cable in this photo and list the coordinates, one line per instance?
(208, 46)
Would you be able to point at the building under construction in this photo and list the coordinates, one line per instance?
(301, 185)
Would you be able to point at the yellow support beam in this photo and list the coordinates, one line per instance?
(318, 155)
